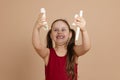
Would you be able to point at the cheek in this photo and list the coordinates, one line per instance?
(53, 35)
(67, 35)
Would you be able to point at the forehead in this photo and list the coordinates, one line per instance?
(60, 24)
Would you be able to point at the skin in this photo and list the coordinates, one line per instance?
(60, 35)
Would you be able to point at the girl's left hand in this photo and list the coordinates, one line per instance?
(80, 21)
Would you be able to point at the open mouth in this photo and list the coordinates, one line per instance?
(60, 37)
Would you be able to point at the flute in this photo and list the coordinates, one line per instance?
(78, 28)
(43, 18)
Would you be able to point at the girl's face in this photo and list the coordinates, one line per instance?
(60, 33)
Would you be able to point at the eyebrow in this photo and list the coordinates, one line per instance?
(62, 27)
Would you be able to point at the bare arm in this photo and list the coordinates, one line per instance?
(86, 44)
(41, 50)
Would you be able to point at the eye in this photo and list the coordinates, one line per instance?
(63, 29)
(55, 29)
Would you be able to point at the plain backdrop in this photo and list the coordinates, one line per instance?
(18, 59)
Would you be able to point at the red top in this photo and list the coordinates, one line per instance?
(56, 68)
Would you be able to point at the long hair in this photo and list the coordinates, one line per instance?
(70, 60)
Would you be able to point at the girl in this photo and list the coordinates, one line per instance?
(61, 59)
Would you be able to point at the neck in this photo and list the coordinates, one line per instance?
(61, 50)
(60, 47)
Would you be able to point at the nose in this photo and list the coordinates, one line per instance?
(59, 31)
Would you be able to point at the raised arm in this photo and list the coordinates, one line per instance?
(86, 44)
(41, 50)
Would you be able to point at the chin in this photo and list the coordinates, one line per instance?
(60, 43)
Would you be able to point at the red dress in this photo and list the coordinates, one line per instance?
(56, 68)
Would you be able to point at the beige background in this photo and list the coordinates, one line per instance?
(18, 59)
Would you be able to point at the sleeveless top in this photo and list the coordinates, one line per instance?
(56, 67)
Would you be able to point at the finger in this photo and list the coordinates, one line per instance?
(76, 16)
(79, 19)
(40, 15)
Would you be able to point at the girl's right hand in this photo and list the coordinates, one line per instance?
(41, 21)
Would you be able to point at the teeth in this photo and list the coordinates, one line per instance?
(60, 37)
